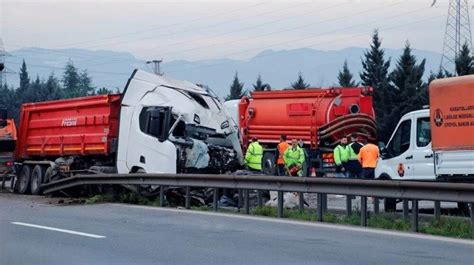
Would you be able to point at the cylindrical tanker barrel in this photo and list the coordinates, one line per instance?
(317, 116)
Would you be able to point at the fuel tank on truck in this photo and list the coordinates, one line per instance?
(320, 117)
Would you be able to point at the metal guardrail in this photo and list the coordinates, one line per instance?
(406, 190)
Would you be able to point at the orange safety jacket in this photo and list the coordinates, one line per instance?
(368, 156)
(281, 151)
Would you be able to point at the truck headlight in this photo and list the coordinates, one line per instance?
(197, 119)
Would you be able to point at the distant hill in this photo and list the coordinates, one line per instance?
(278, 68)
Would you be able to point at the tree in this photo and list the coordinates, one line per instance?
(375, 74)
(71, 81)
(345, 77)
(103, 91)
(52, 88)
(260, 86)
(464, 61)
(236, 89)
(85, 84)
(409, 88)
(24, 78)
(300, 83)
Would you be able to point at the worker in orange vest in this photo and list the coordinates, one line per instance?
(368, 156)
(281, 148)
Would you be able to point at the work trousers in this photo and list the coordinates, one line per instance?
(368, 172)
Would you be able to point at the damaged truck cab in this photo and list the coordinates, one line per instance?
(158, 125)
(173, 126)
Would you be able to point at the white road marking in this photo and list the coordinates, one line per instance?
(58, 230)
(312, 224)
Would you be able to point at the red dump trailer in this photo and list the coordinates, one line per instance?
(320, 117)
(85, 127)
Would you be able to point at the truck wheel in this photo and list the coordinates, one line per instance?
(390, 204)
(37, 179)
(268, 164)
(24, 177)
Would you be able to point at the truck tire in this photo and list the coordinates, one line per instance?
(37, 176)
(268, 164)
(23, 182)
(390, 204)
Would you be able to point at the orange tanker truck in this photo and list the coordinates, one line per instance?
(319, 117)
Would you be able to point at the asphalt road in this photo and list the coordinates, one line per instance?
(37, 233)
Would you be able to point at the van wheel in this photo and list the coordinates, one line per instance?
(390, 204)
(37, 177)
(24, 177)
(268, 164)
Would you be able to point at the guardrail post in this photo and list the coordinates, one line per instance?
(188, 198)
(472, 219)
(376, 205)
(349, 205)
(247, 201)
(162, 196)
(319, 207)
(325, 202)
(301, 201)
(405, 210)
(414, 216)
(239, 200)
(437, 210)
(259, 198)
(215, 198)
(280, 204)
(363, 210)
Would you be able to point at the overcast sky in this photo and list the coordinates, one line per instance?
(192, 30)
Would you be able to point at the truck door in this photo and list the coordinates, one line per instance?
(423, 163)
(149, 148)
(400, 160)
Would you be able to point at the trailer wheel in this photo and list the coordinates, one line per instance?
(268, 164)
(37, 177)
(23, 182)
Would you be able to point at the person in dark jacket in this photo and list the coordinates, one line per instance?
(353, 165)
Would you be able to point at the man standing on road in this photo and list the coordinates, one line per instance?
(353, 165)
(281, 148)
(368, 156)
(341, 158)
(294, 158)
(253, 157)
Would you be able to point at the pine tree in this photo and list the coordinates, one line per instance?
(24, 78)
(410, 90)
(345, 77)
(300, 83)
(71, 81)
(85, 84)
(52, 88)
(464, 61)
(375, 74)
(260, 86)
(236, 89)
(103, 91)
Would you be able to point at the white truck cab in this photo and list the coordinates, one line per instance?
(408, 154)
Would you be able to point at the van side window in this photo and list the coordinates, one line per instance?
(401, 139)
(423, 132)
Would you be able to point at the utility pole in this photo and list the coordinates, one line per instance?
(458, 32)
(156, 64)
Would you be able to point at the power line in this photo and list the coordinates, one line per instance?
(63, 68)
(309, 46)
(275, 32)
(158, 27)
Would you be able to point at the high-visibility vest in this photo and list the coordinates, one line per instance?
(293, 157)
(254, 155)
(352, 154)
(281, 151)
(341, 154)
